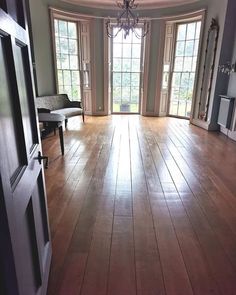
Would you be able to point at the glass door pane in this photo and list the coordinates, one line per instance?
(125, 72)
(183, 75)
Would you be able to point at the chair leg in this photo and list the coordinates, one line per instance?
(83, 116)
(66, 120)
(61, 139)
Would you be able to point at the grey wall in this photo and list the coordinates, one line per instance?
(232, 87)
(41, 30)
(42, 47)
(152, 74)
(43, 51)
(227, 21)
(232, 81)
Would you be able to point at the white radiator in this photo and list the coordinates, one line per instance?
(226, 111)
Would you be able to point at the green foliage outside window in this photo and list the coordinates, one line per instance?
(66, 41)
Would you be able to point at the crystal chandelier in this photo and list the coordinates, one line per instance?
(127, 21)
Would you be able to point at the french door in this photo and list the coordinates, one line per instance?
(25, 245)
(126, 72)
(184, 68)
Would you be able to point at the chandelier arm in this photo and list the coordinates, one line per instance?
(120, 5)
(127, 21)
(132, 14)
(145, 31)
(136, 34)
(109, 27)
(132, 5)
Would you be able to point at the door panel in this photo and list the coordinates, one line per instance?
(25, 220)
(40, 217)
(24, 92)
(8, 121)
(33, 248)
(2, 285)
(3, 5)
(16, 11)
(28, 252)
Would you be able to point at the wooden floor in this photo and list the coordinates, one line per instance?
(141, 206)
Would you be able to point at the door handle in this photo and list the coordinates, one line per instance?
(40, 158)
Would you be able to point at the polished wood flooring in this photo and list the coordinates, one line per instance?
(141, 206)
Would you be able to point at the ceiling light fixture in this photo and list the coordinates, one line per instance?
(127, 21)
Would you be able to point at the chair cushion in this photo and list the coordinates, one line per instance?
(68, 112)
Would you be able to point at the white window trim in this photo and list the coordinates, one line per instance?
(161, 106)
(86, 93)
(144, 80)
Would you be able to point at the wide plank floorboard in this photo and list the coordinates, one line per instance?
(141, 206)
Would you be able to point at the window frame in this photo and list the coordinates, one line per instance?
(80, 20)
(166, 56)
(58, 18)
(172, 64)
(140, 72)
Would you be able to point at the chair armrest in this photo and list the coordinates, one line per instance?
(75, 104)
(43, 110)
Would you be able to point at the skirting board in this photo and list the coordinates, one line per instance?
(228, 133)
(199, 123)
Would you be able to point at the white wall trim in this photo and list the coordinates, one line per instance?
(143, 6)
(93, 69)
(70, 15)
(146, 48)
(200, 123)
(107, 107)
(232, 135)
(159, 70)
(166, 56)
(199, 60)
(53, 48)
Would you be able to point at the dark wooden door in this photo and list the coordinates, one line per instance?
(25, 246)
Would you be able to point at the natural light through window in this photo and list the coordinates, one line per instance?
(185, 60)
(67, 58)
(126, 71)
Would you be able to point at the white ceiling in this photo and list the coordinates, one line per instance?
(142, 4)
